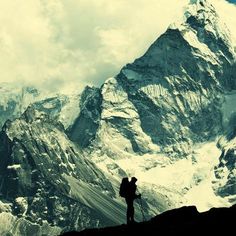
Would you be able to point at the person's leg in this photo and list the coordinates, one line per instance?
(132, 211)
(129, 210)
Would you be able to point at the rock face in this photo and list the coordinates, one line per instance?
(38, 166)
(226, 170)
(13, 225)
(171, 97)
(84, 128)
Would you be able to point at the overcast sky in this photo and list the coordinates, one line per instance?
(66, 44)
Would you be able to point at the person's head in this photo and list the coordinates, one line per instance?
(133, 180)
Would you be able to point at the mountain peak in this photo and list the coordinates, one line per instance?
(203, 30)
(201, 2)
(201, 8)
(203, 20)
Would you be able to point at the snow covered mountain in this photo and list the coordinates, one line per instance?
(50, 180)
(171, 97)
(162, 115)
(14, 100)
(159, 119)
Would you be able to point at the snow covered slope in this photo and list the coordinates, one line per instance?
(225, 171)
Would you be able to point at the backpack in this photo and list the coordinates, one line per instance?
(124, 187)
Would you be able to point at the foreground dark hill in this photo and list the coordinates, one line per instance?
(182, 221)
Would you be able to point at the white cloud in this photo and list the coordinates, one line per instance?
(61, 44)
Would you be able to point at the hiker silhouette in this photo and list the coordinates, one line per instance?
(128, 191)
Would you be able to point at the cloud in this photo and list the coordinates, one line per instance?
(64, 45)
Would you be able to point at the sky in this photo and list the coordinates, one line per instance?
(63, 46)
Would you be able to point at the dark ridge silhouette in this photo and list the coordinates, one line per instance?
(182, 221)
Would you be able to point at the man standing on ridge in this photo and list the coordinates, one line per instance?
(130, 196)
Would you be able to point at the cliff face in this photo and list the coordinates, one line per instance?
(85, 126)
(43, 173)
